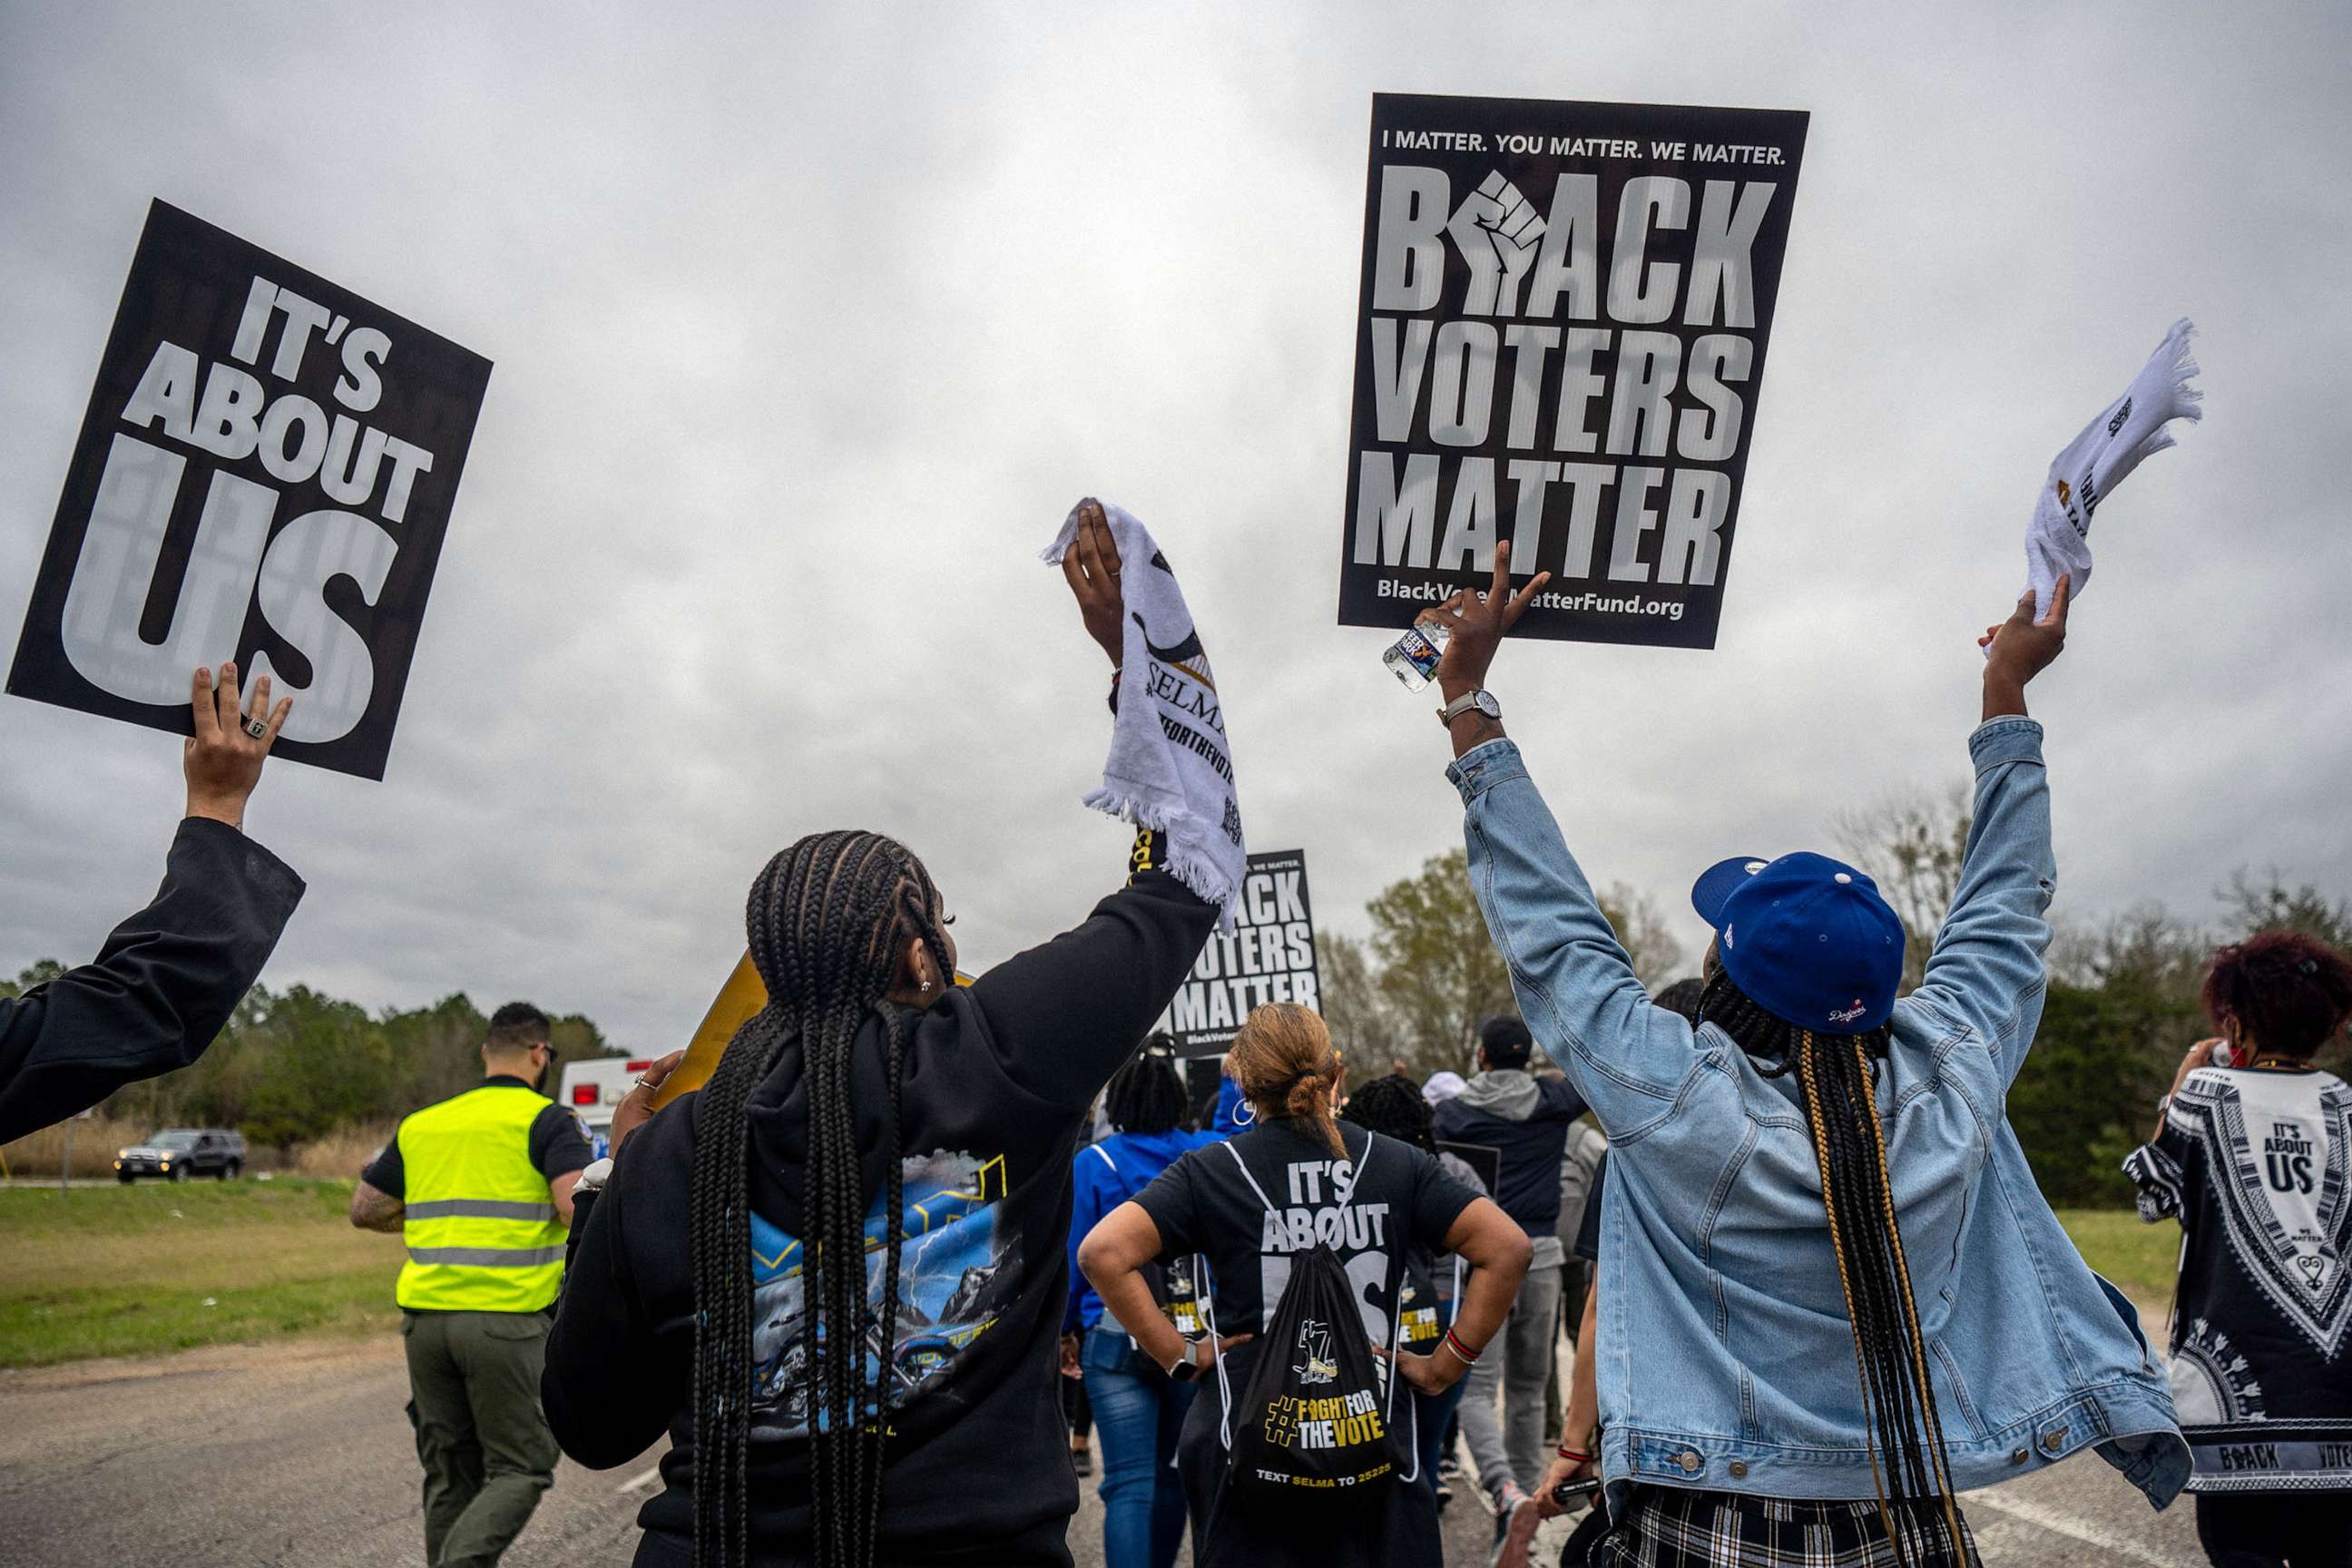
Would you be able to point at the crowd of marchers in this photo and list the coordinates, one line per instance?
(862, 1276)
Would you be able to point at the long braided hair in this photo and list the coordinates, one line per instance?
(827, 920)
(1834, 1075)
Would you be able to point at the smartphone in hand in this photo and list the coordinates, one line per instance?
(1568, 1494)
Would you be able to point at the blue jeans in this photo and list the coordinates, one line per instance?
(1435, 1414)
(1138, 1413)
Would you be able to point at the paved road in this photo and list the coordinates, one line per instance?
(298, 1455)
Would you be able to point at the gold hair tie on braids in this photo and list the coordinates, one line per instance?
(1887, 1404)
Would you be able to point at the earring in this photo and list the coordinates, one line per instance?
(927, 985)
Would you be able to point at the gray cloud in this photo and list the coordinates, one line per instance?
(808, 330)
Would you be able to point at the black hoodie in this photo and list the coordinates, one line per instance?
(997, 1083)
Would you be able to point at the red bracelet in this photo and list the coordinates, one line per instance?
(1571, 1456)
(1455, 1343)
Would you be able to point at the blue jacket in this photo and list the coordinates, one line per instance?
(1726, 1359)
(1103, 1176)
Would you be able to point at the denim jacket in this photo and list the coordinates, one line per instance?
(1726, 1358)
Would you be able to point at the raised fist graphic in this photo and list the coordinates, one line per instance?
(1496, 230)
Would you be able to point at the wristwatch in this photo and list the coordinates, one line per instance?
(1481, 699)
(1186, 1369)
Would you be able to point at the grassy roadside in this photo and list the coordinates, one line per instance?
(2141, 1259)
(157, 1267)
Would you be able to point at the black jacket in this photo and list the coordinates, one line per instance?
(162, 987)
(1524, 1120)
(998, 1080)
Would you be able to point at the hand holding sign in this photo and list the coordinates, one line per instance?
(223, 759)
(1476, 623)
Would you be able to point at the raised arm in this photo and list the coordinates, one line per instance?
(168, 977)
(1066, 1014)
(1987, 970)
(1575, 983)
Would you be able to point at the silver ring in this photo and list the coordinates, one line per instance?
(256, 728)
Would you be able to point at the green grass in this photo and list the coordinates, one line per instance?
(102, 1271)
(2140, 1259)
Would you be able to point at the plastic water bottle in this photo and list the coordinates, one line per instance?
(1413, 657)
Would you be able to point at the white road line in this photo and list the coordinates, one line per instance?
(2060, 1522)
(634, 1482)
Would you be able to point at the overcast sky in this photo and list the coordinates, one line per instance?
(808, 329)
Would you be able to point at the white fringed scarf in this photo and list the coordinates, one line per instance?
(2058, 541)
(1170, 767)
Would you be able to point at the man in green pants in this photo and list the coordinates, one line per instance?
(479, 1187)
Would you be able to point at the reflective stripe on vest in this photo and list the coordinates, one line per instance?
(479, 1222)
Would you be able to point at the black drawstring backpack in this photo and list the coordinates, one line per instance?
(1313, 1423)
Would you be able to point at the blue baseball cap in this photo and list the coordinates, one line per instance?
(1808, 937)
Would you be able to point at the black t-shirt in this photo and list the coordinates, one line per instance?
(2253, 1164)
(1375, 1209)
(1400, 1202)
(557, 1147)
(996, 1083)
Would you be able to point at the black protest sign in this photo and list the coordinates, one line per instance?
(265, 473)
(1268, 956)
(1561, 337)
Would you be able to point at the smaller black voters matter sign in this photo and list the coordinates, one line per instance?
(1268, 956)
(1559, 342)
(265, 473)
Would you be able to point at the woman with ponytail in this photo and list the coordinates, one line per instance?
(1296, 1178)
(833, 1276)
(1835, 1299)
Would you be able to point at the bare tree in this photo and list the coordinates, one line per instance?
(1911, 843)
(1439, 972)
(1642, 931)
(1357, 1011)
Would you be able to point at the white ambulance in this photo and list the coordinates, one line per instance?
(593, 1089)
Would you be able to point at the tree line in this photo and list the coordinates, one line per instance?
(2122, 1004)
(297, 1063)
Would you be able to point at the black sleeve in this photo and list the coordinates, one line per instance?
(1438, 1201)
(387, 1172)
(1064, 1014)
(611, 1384)
(557, 1147)
(162, 987)
(1559, 1100)
(2166, 1173)
(1173, 1201)
(1588, 1229)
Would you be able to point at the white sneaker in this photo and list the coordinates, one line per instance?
(1515, 1528)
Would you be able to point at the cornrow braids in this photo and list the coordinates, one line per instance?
(1902, 1426)
(827, 920)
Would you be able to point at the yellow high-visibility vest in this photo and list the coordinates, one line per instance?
(482, 1232)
